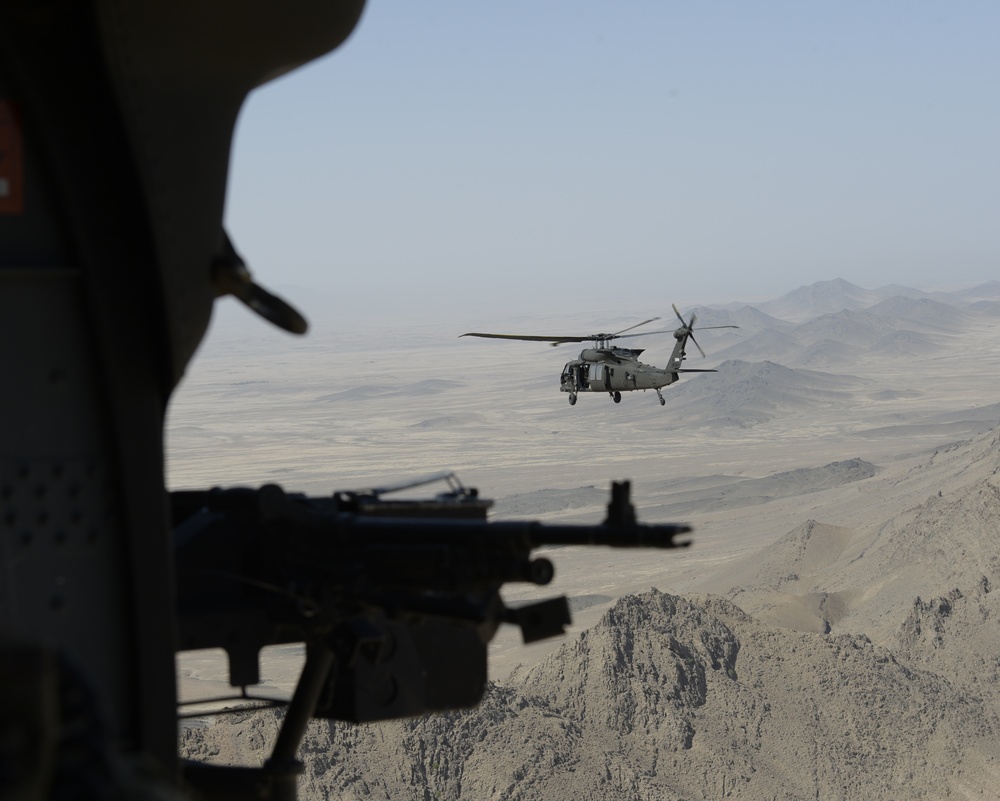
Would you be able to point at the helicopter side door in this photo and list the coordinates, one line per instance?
(598, 377)
(623, 377)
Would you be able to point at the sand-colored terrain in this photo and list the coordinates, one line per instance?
(840, 473)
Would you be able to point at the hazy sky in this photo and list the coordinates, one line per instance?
(526, 155)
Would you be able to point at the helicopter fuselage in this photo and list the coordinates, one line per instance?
(611, 370)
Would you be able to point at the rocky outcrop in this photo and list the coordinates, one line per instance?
(667, 697)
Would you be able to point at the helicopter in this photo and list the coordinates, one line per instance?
(611, 369)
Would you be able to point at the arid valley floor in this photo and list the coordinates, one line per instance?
(831, 633)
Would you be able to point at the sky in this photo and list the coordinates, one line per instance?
(522, 156)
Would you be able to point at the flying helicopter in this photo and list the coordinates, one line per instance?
(612, 369)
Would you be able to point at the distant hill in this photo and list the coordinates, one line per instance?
(749, 319)
(990, 307)
(924, 313)
(856, 328)
(894, 327)
(869, 580)
(826, 297)
(545, 501)
(745, 394)
(987, 291)
(823, 297)
(898, 290)
(728, 492)
(773, 344)
(824, 354)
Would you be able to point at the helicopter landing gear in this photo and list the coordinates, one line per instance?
(572, 399)
(617, 396)
(660, 396)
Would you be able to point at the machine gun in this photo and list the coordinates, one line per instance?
(395, 600)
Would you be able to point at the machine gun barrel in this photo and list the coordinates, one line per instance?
(530, 534)
(635, 536)
(438, 552)
(467, 552)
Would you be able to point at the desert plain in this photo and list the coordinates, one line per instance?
(830, 633)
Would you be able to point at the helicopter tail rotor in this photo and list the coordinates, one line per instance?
(686, 331)
(695, 341)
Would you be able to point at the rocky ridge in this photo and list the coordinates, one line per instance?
(667, 698)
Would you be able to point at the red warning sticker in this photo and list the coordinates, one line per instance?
(11, 161)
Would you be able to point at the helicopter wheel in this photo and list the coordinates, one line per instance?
(572, 399)
(663, 401)
(617, 396)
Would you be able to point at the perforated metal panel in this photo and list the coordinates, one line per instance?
(64, 579)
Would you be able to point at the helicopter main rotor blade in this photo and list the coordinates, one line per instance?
(644, 322)
(559, 340)
(645, 333)
(527, 337)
